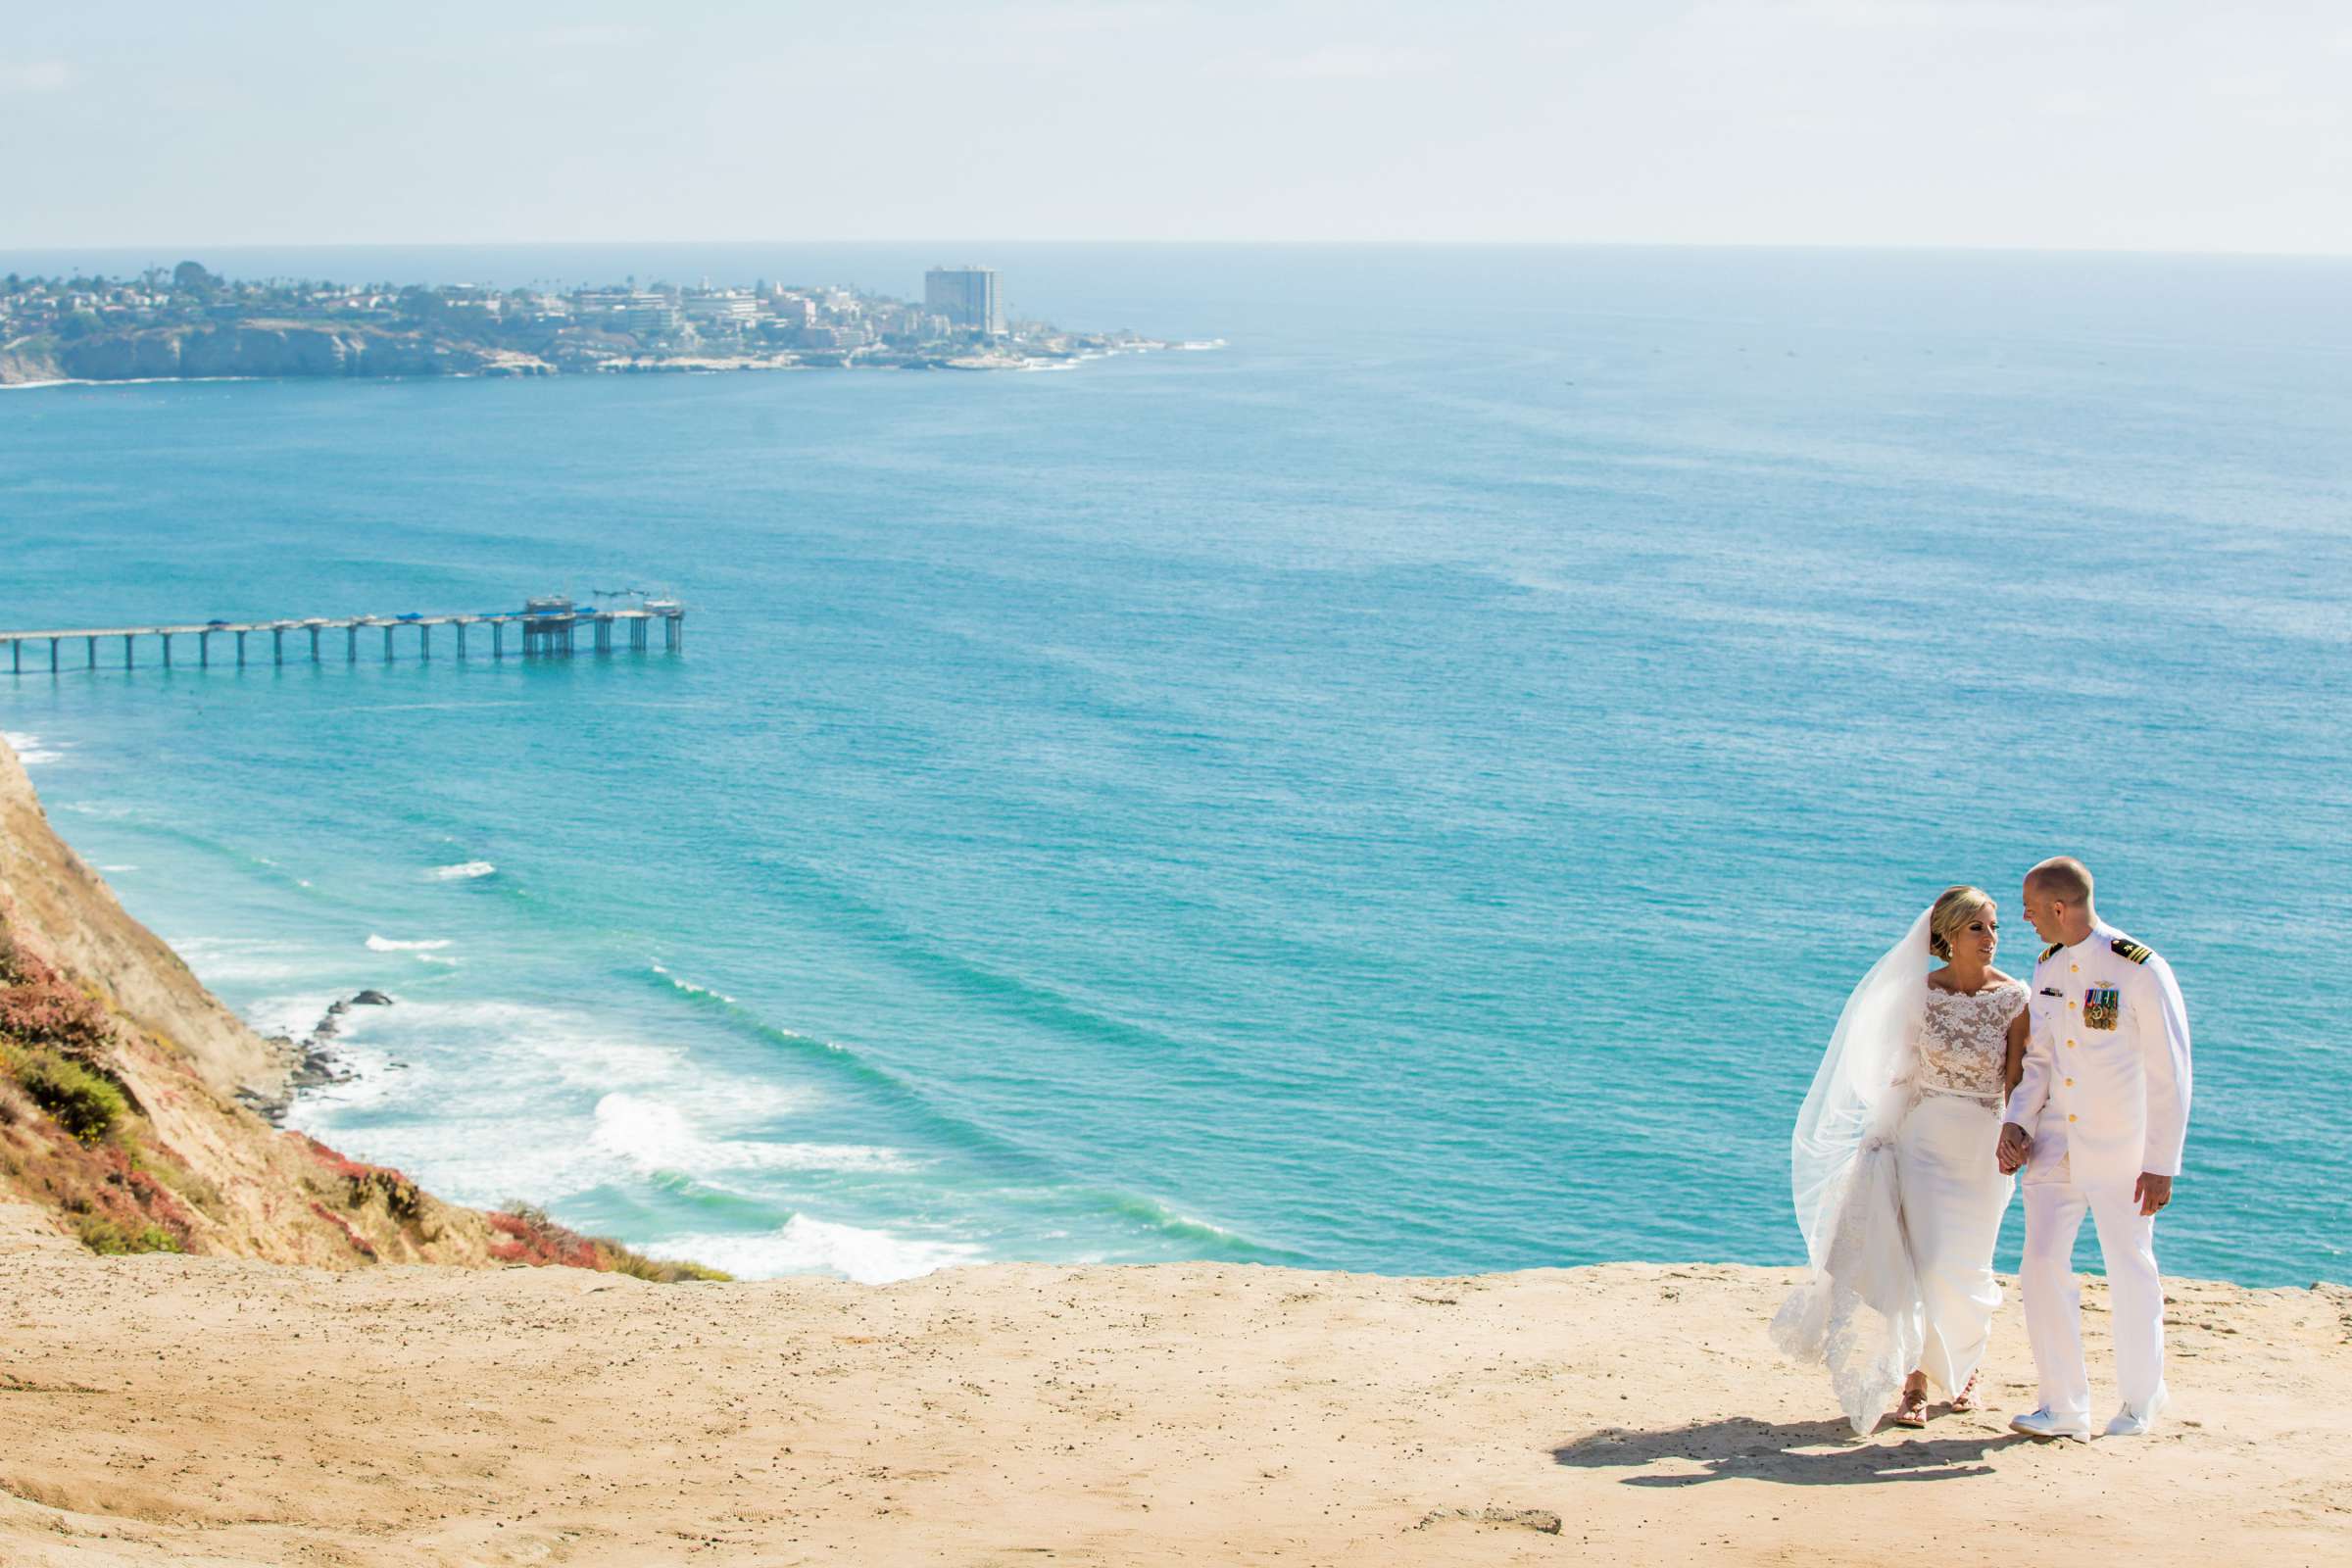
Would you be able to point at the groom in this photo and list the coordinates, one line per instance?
(2097, 1120)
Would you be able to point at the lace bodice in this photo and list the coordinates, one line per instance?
(1966, 1042)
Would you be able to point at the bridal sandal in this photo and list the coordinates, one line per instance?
(1913, 1410)
(1966, 1399)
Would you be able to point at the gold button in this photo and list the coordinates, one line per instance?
(2073, 1003)
(2069, 1083)
(2074, 969)
(2070, 1115)
(2070, 1042)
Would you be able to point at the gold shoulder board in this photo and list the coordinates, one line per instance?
(2052, 950)
(2132, 950)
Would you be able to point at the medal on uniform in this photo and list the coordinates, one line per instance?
(2102, 1006)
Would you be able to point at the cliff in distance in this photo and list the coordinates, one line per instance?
(260, 348)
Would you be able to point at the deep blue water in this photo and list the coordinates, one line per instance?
(1407, 790)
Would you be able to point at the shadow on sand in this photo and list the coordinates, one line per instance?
(1737, 1447)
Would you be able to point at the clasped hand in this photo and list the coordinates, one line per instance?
(2151, 1192)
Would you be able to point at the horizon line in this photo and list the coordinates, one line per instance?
(186, 248)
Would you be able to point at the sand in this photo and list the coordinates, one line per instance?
(185, 1410)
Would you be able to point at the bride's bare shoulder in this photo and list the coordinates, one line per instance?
(2000, 979)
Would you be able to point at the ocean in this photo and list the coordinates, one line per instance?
(1405, 790)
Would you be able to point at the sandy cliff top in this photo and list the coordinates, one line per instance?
(216, 1411)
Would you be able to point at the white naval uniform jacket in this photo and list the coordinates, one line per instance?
(2104, 1093)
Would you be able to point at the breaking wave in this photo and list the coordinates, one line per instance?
(809, 1245)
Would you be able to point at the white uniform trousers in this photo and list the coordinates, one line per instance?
(2053, 1300)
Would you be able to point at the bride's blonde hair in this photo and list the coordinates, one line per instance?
(1952, 913)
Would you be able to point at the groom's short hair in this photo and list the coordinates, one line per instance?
(2063, 877)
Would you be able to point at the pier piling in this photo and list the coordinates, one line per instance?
(550, 630)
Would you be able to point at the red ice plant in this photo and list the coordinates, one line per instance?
(38, 1007)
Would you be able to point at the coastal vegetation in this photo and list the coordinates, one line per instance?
(531, 1237)
(86, 1104)
(72, 1128)
(52, 1040)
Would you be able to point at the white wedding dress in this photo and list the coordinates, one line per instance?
(1896, 1186)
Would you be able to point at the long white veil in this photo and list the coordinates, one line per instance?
(1859, 1312)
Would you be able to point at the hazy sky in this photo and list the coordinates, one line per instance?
(2137, 124)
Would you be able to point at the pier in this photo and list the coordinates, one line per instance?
(549, 628)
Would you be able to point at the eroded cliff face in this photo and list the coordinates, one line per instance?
(119, 1077)
(257, 349)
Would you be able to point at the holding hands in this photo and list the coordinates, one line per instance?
(2014, 1149)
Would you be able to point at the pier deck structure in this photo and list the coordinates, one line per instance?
(549, 629)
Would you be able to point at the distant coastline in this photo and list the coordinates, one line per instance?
(190, 325)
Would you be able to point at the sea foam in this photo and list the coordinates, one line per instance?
(465, 870)
(810, 1246)
(376, 943)
(688, 987)
(652, 1134)
(29, 749)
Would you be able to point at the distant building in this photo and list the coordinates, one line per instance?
(720, 307)
(966, 296)
(793, 310)
(627, 309)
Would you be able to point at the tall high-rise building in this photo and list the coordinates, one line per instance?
(966, 296)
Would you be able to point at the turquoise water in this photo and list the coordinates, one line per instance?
(1407, 790)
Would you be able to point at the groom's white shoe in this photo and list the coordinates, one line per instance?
(2043, 1424)
(2134, 1423)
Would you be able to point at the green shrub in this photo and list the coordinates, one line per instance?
(84, 1104)
(622, 1260)
(104, 1236)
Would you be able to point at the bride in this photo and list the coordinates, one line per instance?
(1898, 1189)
